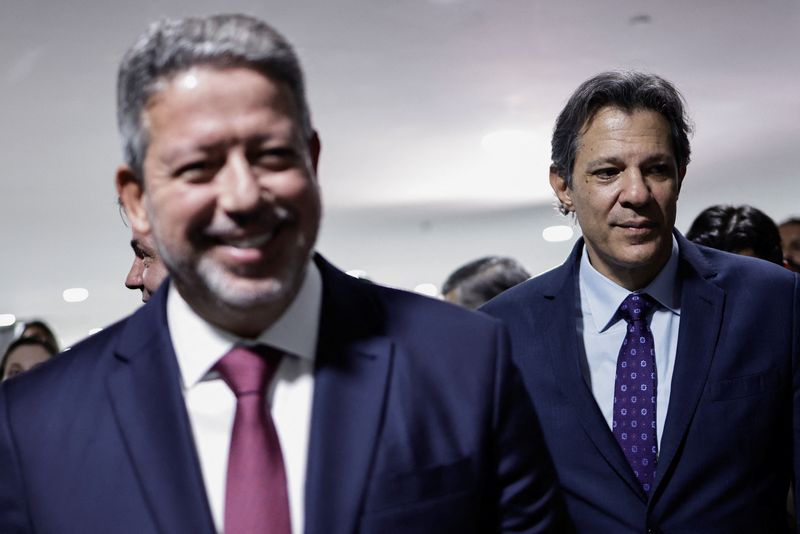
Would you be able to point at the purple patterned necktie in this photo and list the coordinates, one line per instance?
(635, 390)
(256, 498)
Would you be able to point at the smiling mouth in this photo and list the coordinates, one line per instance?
(253, 236)
(253, 241)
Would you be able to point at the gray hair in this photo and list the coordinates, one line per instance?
(629, 90)
(169, 47)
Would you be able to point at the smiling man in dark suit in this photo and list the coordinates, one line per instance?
(260, 389)
(664, 374)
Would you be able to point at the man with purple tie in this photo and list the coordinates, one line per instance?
(260, 389)
(665, 374)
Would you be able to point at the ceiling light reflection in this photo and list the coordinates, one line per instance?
(427, 289)
(557, 233)
(75, 294)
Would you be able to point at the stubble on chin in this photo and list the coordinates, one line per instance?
(243, 293)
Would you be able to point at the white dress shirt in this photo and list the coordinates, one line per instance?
(211, 404)
(603, 331)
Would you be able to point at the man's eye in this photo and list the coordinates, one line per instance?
(607, 172)
(273, 158)
(194, 170)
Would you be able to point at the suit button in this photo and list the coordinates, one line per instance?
(653, 530)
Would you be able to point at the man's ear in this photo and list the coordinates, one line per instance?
(681, 174)
(131, 196)
(561, 189)
(314, 147)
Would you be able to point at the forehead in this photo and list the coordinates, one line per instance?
(790, 230)
(200, 98)
(617, 132)
(25, 352)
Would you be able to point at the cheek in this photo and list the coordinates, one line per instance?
(295, 187)
(305, 197)
(594, 205)
(668, 200)
(174, 209)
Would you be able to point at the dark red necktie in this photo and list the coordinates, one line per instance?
(256, 498)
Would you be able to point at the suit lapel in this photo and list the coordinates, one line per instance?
(350, 384)
(565, 357)
(146, 396)
(702, 304)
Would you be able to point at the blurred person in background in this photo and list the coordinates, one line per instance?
(147, 271)
(481, 280)
(743, 230)
(790, 241)
(36, 328)
(24, 354)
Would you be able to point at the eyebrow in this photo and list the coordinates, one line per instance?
(137, 249)
(612, 160)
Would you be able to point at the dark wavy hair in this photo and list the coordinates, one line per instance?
(483, 279)
(736, 228)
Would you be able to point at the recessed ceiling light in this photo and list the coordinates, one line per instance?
(7, 319)
(427, 289)
(75, 294)
(557, 233)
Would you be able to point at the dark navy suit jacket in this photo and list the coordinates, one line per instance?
(731, 431)
(420, 423)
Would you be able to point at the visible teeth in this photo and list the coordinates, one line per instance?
(250, 242)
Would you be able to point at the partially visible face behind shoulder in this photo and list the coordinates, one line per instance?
(147, 271)
(790, 241)
(230, 194)
(624, 193)
(24, 358)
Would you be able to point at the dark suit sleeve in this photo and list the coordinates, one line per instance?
(529, 498)
(13, 513)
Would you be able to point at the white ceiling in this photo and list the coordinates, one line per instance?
(402, 92)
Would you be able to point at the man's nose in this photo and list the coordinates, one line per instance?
(635, 189)
(134, 278)
(239, 188)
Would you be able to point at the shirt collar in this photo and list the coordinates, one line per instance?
(603, 297)
(199, 345)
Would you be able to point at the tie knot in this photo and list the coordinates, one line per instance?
(248, 370)
(636, 307)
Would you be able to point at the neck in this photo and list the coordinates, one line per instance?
(245, 322)
(635, 277)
